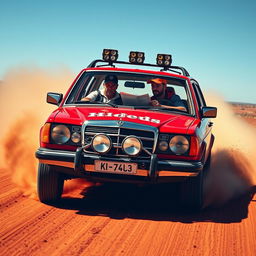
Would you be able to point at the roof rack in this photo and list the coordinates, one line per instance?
(93, 64)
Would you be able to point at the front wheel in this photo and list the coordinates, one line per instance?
(191, 192)
(49, 183)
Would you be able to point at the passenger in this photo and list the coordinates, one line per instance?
(107, 94)
(163, 97)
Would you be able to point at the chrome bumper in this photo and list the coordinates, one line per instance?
(152, 168)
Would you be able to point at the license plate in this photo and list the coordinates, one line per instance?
(115, 167)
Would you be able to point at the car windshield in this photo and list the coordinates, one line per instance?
(134, 88)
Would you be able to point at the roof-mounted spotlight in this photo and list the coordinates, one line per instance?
(136, 57)
(110, 55)
(164, 60)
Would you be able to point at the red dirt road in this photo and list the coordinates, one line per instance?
(122, 220)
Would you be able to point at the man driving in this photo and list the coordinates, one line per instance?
(108, 93)
(164, 98)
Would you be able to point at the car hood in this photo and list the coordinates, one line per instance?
(164, 121)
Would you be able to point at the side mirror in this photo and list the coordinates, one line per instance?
(54, 98)
(210, 112)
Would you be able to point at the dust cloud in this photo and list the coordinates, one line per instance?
(232, 172)
(24, 110)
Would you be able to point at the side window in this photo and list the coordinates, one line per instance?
(199, 95)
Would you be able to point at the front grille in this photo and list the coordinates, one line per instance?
(146, 134)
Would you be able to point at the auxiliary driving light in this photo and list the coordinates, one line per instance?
(101, 143)
(163, 145)
(132, 146)
(76, 137)
(164, 60)
(179, 145)
(110, 55)
(136, 57)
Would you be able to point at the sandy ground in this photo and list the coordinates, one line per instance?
(246, 111)
(122, 220)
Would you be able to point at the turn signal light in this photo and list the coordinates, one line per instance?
(194, 146)
(45, 133)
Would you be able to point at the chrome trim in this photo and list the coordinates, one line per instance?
(145, 149)
(115, 135)
(54, 153)
(126, 125)
(118, 137)
(178, 164)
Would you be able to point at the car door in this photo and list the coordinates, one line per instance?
(205, 129)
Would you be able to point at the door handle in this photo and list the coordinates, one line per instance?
(210, 124)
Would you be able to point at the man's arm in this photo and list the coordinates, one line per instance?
(155, 103)
(173, 107)
(91, 97)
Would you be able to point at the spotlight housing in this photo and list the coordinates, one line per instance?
(110, 55)
(136, 57)
(132, 145)
(101, 143)
(164, 60)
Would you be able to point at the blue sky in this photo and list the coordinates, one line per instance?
(214, 40)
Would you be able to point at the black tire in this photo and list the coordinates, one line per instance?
(49, 184)
(191, 193)
(208, 162)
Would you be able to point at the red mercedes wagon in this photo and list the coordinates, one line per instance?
(132, 141)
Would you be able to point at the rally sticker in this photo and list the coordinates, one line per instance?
(109, 114)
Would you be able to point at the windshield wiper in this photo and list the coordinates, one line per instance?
(96, 102)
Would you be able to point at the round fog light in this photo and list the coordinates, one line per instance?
(101, 143)
(131, 146)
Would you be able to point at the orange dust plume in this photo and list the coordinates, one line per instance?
(232, 171)
(23, 111)
(19, 150)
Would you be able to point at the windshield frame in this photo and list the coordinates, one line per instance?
(81, 82)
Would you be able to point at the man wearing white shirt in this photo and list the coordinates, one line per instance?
(107, 94)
